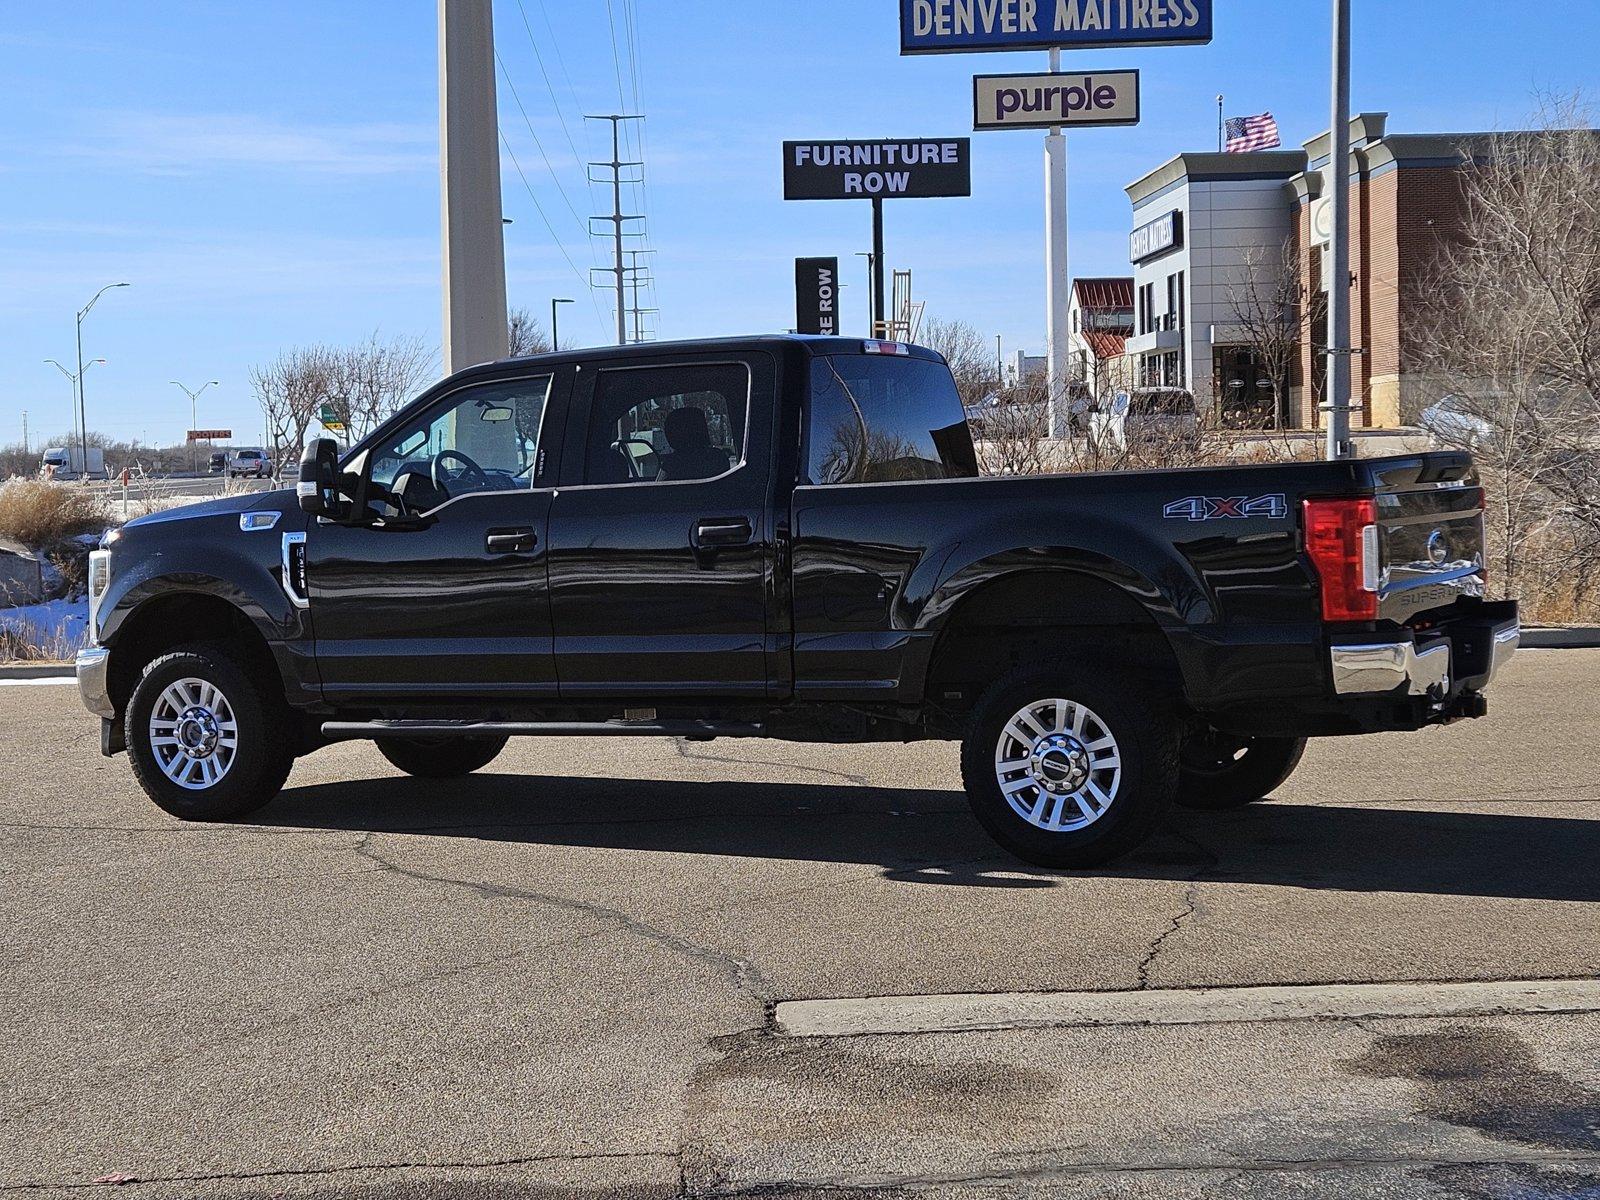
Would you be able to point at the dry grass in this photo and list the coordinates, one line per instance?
(30, 643)
(41, 515)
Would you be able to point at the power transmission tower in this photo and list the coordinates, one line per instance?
(639, 277)
(618, 219)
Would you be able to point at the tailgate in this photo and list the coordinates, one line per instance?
(1430, 533)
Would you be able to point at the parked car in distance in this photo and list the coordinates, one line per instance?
(218, 462)
(788, 537)
(1145, 417)
(1450, 422)
(249, 462)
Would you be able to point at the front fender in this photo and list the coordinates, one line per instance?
(245, 580)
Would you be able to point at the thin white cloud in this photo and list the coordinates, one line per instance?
(199, 143)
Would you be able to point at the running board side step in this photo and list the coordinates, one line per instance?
(685, 729)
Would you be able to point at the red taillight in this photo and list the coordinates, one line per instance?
(1342, 539)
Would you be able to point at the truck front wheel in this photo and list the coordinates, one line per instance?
(1069, 766)
(205, 742)
(1218, 772)
(441, 758)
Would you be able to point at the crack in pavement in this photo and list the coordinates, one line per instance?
(694, 756)
(1191, 902)
(350, 1168)
(741, 972)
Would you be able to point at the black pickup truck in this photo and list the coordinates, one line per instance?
(787, 537)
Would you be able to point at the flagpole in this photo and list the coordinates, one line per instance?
(1219, 123)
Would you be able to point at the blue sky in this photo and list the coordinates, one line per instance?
(266, 175)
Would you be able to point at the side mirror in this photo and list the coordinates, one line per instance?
(318, 489)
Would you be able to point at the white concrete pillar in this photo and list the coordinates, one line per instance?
(469, 187)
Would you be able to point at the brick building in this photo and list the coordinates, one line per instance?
(1199, 219)
(1406, 198)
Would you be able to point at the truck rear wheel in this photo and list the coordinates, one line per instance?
(204, 740)
(1068, 766)
(1218, 772)
(441, 758)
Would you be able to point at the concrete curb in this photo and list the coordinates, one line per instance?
(36, 671)
(1565, 637)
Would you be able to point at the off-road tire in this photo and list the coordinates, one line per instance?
(1218, 774)
(441, 758)
(261, 760)
(1146, 742)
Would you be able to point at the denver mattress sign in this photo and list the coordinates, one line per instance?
(945, 26)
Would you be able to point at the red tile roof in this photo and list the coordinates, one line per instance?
(1106, 345)
(1104, 292)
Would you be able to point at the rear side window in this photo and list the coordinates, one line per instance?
(667, 424)
(881, 419)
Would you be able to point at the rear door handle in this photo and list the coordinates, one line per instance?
(722, 531)
(510, 541)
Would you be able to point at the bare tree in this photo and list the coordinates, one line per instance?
(968, 354)
(1509, 349)
(372, 380)
(291, 390)
(1273, 310)
(525, 335)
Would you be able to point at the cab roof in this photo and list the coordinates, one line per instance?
(814, 344)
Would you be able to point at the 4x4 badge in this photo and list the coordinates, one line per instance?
(1217, 508)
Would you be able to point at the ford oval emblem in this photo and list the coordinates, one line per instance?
(1438, 547)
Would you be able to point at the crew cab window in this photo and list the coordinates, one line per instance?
(667, 424)
(486, 439)
(881, 418)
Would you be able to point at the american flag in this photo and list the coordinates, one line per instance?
(1252, 133)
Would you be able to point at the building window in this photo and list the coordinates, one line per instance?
(1180, 301)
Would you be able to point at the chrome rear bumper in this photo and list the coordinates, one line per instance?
(1382, 668)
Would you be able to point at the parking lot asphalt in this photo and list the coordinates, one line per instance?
(558, 977)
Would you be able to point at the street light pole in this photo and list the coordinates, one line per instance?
(872, 290)
(194, 418)
(555, 340)
(83, 410)
(73, 380)
(1338, 404)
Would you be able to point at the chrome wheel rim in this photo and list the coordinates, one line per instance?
(193, 734)
(1058, 765)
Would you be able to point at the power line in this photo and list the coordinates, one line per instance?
(510, 153)
(554, 103)
(506, 75)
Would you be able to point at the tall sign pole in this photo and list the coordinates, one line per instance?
(1096, 98)
(1057, 285)
(1338, 404)
(469, 187)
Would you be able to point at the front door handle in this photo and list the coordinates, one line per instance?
(722, 531)
(510, 541)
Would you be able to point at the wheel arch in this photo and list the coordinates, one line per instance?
(991, 624)
(163, 620)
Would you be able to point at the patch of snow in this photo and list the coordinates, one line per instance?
(57, 628)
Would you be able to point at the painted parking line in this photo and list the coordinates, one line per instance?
(43, 681)
(1189, 1006)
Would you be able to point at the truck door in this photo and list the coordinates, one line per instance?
(449, 599)
(661, 534)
